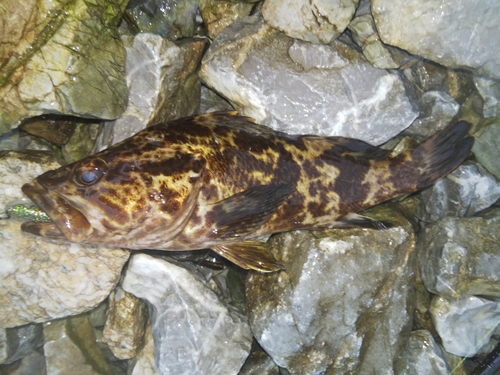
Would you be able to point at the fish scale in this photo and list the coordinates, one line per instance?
(222, 182)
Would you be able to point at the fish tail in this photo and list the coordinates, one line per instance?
(441, 154)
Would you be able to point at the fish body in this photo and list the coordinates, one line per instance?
(220, 181)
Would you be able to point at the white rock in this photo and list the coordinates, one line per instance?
(39, 279)
(457, 33)
(298, 87)
(194, 332)
(490, 91)
(466, 325)
(317, 21)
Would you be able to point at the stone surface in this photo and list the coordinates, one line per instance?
(61, 57)
(459, 257)
(445, 32)
(344, 302)
(299, 87)
(489, 90)
(39, 279)
(487, 148)
(171, 19)
(424, 356)
(70, 348)
(437, 109)
(15, 343)
(464, 192)
(31, 364)
(194, 332)
(125, 325)
(144, 363)
(218, 14)
(163, 83)
(317, 21)
(465, 325)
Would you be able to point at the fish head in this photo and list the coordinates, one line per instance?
(136, 194)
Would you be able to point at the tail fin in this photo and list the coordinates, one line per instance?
(442, 153)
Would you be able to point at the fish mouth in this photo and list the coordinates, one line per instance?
(67, 223)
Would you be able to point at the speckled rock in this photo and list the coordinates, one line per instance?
(487, 148)
(303, 88)
(344, 302)
(41, 280)
(459, 257)
(448, 33)
(218, 14)
(53, 52)
(144, 363)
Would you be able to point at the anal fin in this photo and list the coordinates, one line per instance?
(249, 255)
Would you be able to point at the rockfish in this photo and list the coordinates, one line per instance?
(220, 181)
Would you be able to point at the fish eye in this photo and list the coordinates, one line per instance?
(88, 172)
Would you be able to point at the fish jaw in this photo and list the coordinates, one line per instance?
(67, 223)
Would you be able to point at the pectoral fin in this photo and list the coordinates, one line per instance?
(249, 255)
(243, 213)
(359, 221)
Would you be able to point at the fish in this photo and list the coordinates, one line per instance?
(220, 181)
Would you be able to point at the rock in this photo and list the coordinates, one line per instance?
(163, 82)
(194, 332)
(212, 102)
(219, 14)
(70, 348)
(31, 364)
(303, 88)
(445, 32)
(60, 57)
(124, 328)
(171, 19)
(466, 325)
(486, 148)
(42, 280)
(317, 21)
(464, 192)
(424, 356)
(259, 363)
(459, 257)
(437, 109)
(344, 302)
(20, 341)
(489, 90)
(144, 362)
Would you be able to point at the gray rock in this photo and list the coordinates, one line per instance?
(42, 280)
(489, 90)
(63, 58)
(424, 356)
(31, 364)
(459, 257)
(317, 21)
(343, 303)
(448, 33)
(161, 76)
(194, 332)
(464, 192)
(466, 325)
(487, 148)
(219, 14)
(299, 87)
(20, 341)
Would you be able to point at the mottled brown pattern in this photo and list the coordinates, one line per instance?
(212, 180)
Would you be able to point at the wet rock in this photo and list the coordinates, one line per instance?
(258, 362)
(344, 302)
(171, 19)
(219, 14)
(31, 364)
(459, 256)
(194, 332)
(447, 33)
(15, 343)
(489, 90)
(70, 348)
(318, 21)
(144, 363)
(63, 58)
(39, 279)
(464, 192)
(466, 325)
(487, 150)
(299, 87)
(424, 356)
(125, 325)
(437, 109)
(81, 142)
(163, 82)
(212, 102)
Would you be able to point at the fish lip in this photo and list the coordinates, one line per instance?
(66, 221)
